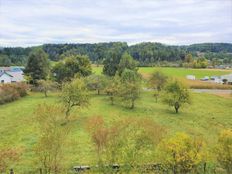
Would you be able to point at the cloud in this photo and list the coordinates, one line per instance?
(26, 22)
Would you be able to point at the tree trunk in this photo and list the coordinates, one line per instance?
(132, 104)
(98, 92)
(112, 100)
(67, 113)
(177, 106)
(45, 93)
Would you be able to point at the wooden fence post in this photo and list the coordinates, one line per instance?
(11, 171)
(40, 171)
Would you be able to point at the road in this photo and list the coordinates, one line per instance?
(213, 91)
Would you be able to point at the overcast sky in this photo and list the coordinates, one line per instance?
(34, 22)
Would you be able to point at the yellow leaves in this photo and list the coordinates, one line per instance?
(182, 152)
(224, 150)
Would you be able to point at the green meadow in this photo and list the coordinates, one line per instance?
(176, 72)
(206, 117)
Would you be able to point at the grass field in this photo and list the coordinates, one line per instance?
(176, 72)
(207, 115)
(181, 74)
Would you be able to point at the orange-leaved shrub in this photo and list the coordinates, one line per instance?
(12, 92)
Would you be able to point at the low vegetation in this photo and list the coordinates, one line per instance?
(196, 120)
(12, 92)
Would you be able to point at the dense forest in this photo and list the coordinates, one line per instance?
(147, 53)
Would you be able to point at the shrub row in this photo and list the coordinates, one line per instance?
(12, 92)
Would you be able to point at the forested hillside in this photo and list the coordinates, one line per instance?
(146, 53)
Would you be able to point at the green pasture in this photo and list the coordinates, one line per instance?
(176, 72)
(206, 117)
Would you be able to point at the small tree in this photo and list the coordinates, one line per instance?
(224, 150)
(182, 153)
(52, 138)
(130, 86)
(188, 58)
(46, 85)
(37, 66)
(8, 156)
(176, 94)
(127, 62)
(72, 65)
(112, 88)
(74, 94)
(96, 82)
(157, 82)
(132, 142)
(99, 135)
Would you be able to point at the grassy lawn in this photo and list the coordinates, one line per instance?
(177, 72)
(182, 72)
(207, 115)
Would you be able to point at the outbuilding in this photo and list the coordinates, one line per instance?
(191, 77)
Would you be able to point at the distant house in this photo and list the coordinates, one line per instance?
(191, 77)
(11, 74)
(5, 77)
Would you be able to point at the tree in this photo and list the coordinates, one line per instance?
(127, 62)
(176, 94)
(182, 153)
(111, 62)
(132, 142)
(157, 82)
(4, 60)
(46, 85)
(99, 134)
(71, 66)
(112, 88)
(52, 138)
(224, 150)
(130, 86)
(201, 62)
(37, 66)
(188, 58)
(74, 94)
(124, 142)
(96, 82)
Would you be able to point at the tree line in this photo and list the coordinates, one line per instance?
(147, 53)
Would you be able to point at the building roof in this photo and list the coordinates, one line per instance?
(1, 73)
(12, 68)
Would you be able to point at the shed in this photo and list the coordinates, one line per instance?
(191, 77)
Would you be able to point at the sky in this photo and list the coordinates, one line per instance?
(174, 22)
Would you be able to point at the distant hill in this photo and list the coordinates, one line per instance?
(210, 47)
(146, 53)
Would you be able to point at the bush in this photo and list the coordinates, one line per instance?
(224, 150)
(129, 142)
(8, 156)
(12, 92)
(182, 154)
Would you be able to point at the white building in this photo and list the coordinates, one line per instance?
(11, 75)
(5, 77)
(191, 77)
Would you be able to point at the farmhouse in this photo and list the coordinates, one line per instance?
(11, 74)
